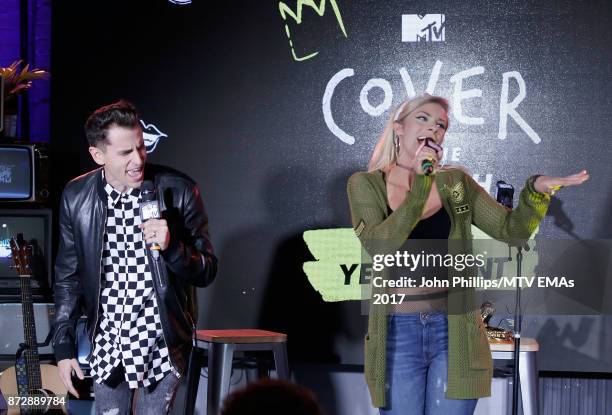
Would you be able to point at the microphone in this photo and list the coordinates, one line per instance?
(505, 197)
(149, 209)
(505, 194)
(427, 166)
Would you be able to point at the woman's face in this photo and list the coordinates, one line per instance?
(427, 121)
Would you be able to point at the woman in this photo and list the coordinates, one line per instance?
(418, 357)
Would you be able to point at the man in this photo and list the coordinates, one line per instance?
(271, 397)
(141, 307)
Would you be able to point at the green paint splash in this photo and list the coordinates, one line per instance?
(331, 249)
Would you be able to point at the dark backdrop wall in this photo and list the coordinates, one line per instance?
(271, 133)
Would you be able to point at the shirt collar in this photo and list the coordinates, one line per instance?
(115, 196)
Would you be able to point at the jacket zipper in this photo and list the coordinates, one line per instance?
(161, 320)
(158, 262)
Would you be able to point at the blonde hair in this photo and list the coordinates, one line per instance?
(384, 155)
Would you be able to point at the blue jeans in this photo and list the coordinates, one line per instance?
(120, 399)
(417, 367)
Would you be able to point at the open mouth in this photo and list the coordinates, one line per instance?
(429, 142)
(135, 173)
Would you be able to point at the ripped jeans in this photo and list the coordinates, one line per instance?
(156, 399)
(417, 367)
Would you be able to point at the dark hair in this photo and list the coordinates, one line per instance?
(271, 397)
(120, 113)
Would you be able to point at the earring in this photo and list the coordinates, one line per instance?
(396, 143)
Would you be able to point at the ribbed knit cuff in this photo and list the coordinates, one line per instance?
(421, 186)
(534, 195)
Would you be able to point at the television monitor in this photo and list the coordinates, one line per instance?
(16, 172)
(34, 225)
(22, 172)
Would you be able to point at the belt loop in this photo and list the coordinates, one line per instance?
(423, 317)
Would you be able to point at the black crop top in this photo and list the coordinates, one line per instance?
(437, 226)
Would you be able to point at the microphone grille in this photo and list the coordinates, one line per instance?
(147, 186)
(147, 190)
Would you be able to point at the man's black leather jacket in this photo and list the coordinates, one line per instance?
(188, 262)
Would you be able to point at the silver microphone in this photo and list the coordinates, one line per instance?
(149, 209)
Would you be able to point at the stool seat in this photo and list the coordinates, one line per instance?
(240, 336)
(527, 345)
(220, 346)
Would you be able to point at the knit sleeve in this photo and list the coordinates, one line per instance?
(504, 224)
(370, 220)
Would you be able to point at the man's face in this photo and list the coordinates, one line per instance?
(123, 157)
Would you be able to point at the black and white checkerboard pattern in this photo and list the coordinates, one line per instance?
(130, 329)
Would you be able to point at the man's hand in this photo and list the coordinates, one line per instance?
(156, 231)
(66, 367)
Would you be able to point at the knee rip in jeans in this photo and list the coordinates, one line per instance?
(112, 411)
(441, 383)
(169, 399)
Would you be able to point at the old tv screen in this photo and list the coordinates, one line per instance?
(16, 173)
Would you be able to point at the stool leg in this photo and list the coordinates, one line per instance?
(280, 361)
(252, 372)
(219, 374)
(528, 373)
(193, 380)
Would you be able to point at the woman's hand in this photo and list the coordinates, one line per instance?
(425, 153)
(549, 184)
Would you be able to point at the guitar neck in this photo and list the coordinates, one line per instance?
(29, 334)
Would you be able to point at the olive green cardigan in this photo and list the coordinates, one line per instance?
(470, 367)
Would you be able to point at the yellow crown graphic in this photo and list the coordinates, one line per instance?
(287, 11)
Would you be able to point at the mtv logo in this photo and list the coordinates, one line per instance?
(423, 28)
(6, 174)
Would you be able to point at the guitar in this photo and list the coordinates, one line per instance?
(29, 387)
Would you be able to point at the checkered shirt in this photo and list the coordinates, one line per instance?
(130, 330)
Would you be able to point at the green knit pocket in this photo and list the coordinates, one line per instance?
(478, 345)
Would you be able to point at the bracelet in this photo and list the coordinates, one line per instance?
(553, 189)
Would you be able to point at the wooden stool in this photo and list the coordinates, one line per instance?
(528, 370)
(221, 345)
